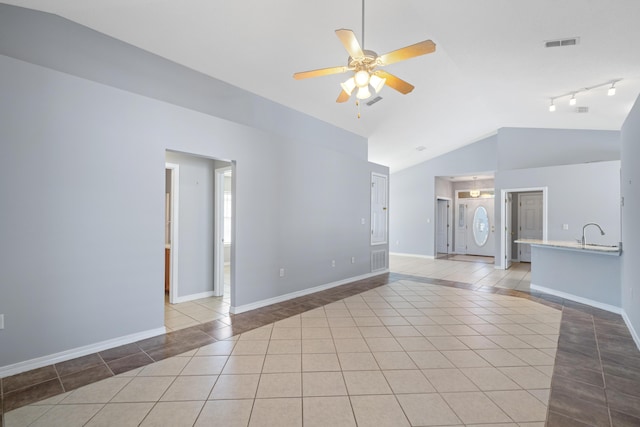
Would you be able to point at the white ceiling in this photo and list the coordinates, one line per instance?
(490, 69)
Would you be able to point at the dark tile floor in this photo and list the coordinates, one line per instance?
(596, 380)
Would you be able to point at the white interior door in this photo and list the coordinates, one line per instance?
(379, 210)
(461, 228)
(442, 227)
(529, 221)
(480, 227)
(508, 253)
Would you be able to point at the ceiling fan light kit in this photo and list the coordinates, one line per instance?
(365, 66)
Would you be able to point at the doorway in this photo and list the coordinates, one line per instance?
(223, 231)
(172, 197)
(524, 213)
(195, 294)
(529, 222)
(443, 226)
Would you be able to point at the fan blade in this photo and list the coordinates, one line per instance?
(343, 97)
(408, 52)
(350, 42)
(395, 82)
(320, 72)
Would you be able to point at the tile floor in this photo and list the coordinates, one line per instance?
(197, 312)
(374, 352)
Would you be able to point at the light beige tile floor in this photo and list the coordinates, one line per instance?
(403, 354)
(191, 313)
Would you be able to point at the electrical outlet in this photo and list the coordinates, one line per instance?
(565, 226)
(1, 321)
(353, 260)
(362, 221)
(282, 272)
(333, 263)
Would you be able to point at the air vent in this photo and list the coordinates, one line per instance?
(421, 148)
(374, 100)
(562, 42)
(582, 109)
(378, 260)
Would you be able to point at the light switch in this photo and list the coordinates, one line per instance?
(565, 226)
(362, 221)
(1, 321)
(282, 272)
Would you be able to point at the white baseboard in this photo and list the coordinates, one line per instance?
(581, 300)
(634, 333)
(63, 356)
(412, 255)
(192, 297)
(285, 297)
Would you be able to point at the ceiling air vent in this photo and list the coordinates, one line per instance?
(421, 148)
(582, 109)
(562, 42)
(374, 100)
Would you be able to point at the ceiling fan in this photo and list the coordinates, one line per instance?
(365, 66)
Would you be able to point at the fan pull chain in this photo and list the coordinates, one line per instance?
(358, 105)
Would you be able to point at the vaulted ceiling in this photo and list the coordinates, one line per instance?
(490, 70)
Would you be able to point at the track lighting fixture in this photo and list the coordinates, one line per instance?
(573, 101)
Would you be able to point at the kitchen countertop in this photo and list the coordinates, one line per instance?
(574, 246)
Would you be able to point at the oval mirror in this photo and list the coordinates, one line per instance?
(480, 226)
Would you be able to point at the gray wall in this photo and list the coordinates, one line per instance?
(577, 194)
(630, 227)
(522, 148)
(81, 254)
(509, 150)
(195, 223)
(413, 199)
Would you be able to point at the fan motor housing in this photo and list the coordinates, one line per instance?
(367, 62)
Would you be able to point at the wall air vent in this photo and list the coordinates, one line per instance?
(582, 109)
(374, 100)
(378, 260)
(562, 42)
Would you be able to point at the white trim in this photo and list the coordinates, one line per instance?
(545, 217)
(192, 297)
(39, 362)
(413, 255)
(285, 297)
(634, 333)
(218, 234)
(581, 300)
(175, 217)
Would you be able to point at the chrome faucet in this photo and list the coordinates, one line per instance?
(585, 226)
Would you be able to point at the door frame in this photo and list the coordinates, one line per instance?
(173, 230)
(508, 250)
(449, 200)
(503, 231)
(218, 234)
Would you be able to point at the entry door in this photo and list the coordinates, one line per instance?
(529, 221)
(508, 231)
(480, 227)
(378, 209)
(442, 231)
